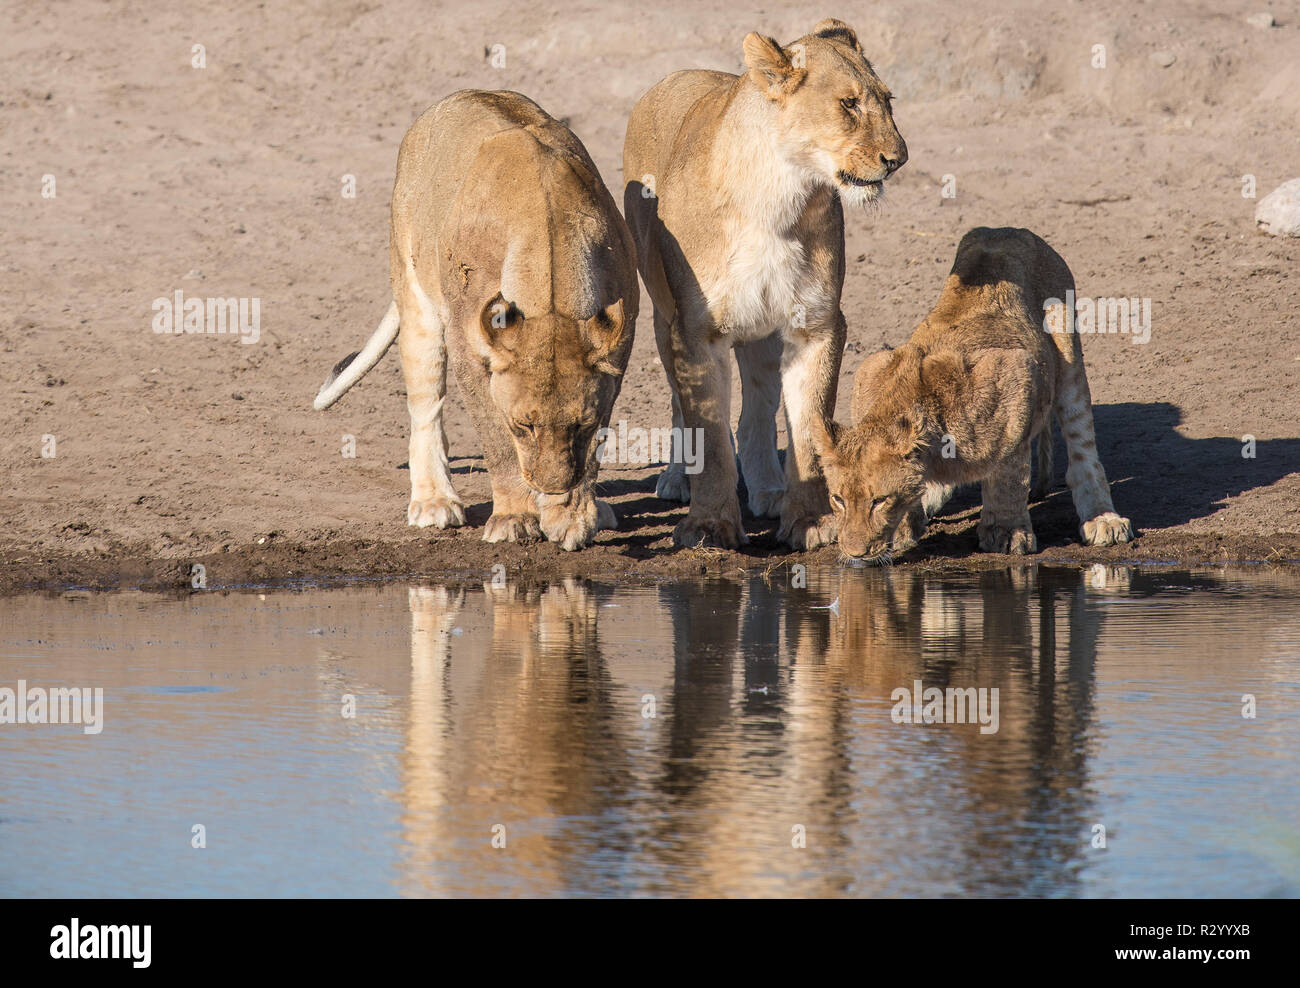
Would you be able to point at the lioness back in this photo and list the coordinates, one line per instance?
(493, 175)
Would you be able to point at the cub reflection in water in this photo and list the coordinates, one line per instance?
(528, 710)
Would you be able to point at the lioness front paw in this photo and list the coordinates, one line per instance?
(717, 533)
(574, 527)
(512, 528)
(809, 531)
(909, 531)
(1107, 529)
(440, 512)
(606, 520)
(673, 485)
(1015, 541)
(935, 497)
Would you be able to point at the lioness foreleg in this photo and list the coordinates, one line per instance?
(573, 519)
(515, 516)
(810, 368)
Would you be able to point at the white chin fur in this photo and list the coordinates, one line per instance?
(860, 196)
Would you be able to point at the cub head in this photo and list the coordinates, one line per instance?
(876, 471)
(833, 109)
(554, 380)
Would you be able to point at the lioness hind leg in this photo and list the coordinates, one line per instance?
(760, 388)
(1004, 524)
(1085, 475)
(673, 484)
(422, 344)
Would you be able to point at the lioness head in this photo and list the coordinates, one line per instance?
(832, 106)
(876, 470)
(554, 380)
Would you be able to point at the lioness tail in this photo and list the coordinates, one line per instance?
(354, 367)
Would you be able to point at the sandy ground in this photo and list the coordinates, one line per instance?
(226, 180)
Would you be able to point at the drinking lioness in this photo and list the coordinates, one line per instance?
(508, 251)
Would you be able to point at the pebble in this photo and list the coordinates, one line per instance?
(1278, 212)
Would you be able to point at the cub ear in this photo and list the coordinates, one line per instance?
(908, 432)
(837, 31)
(492, 339)
(770, 67)
(604, 334)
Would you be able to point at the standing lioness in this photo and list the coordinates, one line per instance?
(734, 185)
(508, 250)
(962, 400)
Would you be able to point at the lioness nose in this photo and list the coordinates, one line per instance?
(893, 164)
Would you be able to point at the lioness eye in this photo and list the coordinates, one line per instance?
(849, 103)
(837, 502)
(877, 503)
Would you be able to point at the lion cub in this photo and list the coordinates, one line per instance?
(962, 401)
(508, 252)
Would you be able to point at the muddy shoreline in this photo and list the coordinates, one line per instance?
(459, 558)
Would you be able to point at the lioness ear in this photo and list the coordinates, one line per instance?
(604, 333)
(837, 31)
(770, 67)
(497, 325)
(825, 434)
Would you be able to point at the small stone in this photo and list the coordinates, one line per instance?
(1164, 58)
(1278, 212)
(1264, 21)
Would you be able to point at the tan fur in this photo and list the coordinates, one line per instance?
(980, 379)
(508, 252)
(734, 189)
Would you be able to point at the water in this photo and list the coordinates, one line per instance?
(522, 714)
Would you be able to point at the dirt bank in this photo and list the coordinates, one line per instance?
(227, 180)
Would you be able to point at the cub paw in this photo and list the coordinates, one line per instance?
(512, 528)
(766, 503)
(674, 485)
(1009, 541)
(439, 512)
(809, 531)
(1107, 529)
(573, 527)
(716, 533)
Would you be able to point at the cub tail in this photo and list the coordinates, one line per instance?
(355, 366)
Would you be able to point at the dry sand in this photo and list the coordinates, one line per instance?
(226, 181)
